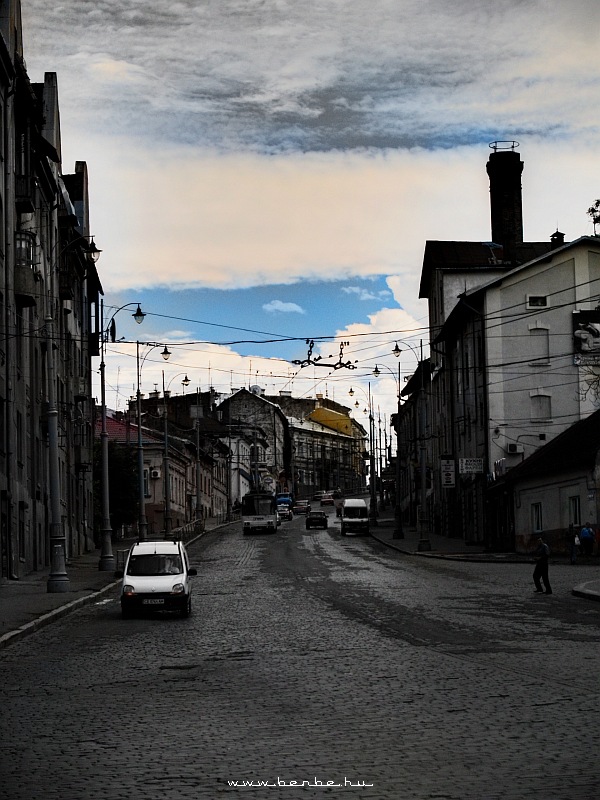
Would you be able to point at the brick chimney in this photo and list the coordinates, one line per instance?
(504, 169)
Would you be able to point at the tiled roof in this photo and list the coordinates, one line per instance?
(124, 432)
(574, 449)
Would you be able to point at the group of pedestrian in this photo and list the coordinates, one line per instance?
(582, 542)
(585, 539)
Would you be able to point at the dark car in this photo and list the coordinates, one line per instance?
(316, 519)
(285, 512)
(301, 507)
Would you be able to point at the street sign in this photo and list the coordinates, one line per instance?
(466, 465)
(448, 473)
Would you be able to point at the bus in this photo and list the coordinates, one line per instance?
(259, 512)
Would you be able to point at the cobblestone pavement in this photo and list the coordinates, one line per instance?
(314, 659)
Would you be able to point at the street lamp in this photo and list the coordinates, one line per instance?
(372, 481)
(142, 522)
(107, 559)
(58, 580)
(398, 526)
(166, 463)
(424, 542)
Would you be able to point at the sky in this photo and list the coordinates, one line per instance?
(264, 174)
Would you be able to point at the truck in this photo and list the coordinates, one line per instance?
(259, 512)
(355, 516)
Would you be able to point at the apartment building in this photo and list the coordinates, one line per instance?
(512, 357)
(49, 290)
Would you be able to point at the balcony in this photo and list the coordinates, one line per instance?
(26, 286)
(25, 194)
(66, 284)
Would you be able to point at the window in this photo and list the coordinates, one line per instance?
(19, 438)
(539, 346)
(537, 301)
(536, 518)
(541, 407)
(25, 248)
(574, 511)
(22, 507)
(154, 564)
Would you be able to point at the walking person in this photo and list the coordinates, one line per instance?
(587, 536)
(540, 573)
(574, 543)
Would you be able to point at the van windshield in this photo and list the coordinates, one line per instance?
(155, 564)
(355, 512)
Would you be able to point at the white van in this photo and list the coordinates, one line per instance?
(156, 578)
(355, 516)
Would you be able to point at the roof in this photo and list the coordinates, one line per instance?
(475, 256)
(462, 307)
(123, 432)
(161, 546)
(576, 448)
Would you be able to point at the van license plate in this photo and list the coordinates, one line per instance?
(153, 601)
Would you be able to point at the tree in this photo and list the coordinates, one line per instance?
(594, 212)
(122, 485)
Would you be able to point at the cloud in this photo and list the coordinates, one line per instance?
(278, 77)
(248, 143)
(364, 294)
(278, 306)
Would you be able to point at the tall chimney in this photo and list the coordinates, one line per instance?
(504, 169)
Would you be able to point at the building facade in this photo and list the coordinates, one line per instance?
(513, 362)
(49, 291)
(328, 445)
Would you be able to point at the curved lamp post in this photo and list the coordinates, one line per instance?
(373, 478)
(398, 526)
(424, 542)
(58, 580)
(107, 559)
(142, 521)
(166, 463)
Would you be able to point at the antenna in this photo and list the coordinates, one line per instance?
(117, 388)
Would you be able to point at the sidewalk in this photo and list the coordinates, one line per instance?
(26, 605)
(456, 549)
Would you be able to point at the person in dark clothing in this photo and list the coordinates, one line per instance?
(587, 536)
(540, 573)
(574, 543)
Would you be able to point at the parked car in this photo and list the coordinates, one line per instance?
(156, 578)
(327, 500)
(318, 495)
(316, 519)
(285, 512)
(301, 507)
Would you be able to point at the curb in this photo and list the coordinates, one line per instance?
(469, 557)
(52, 616)
(68, 608)
(582, 590)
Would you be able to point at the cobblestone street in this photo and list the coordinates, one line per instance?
(334, 663)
